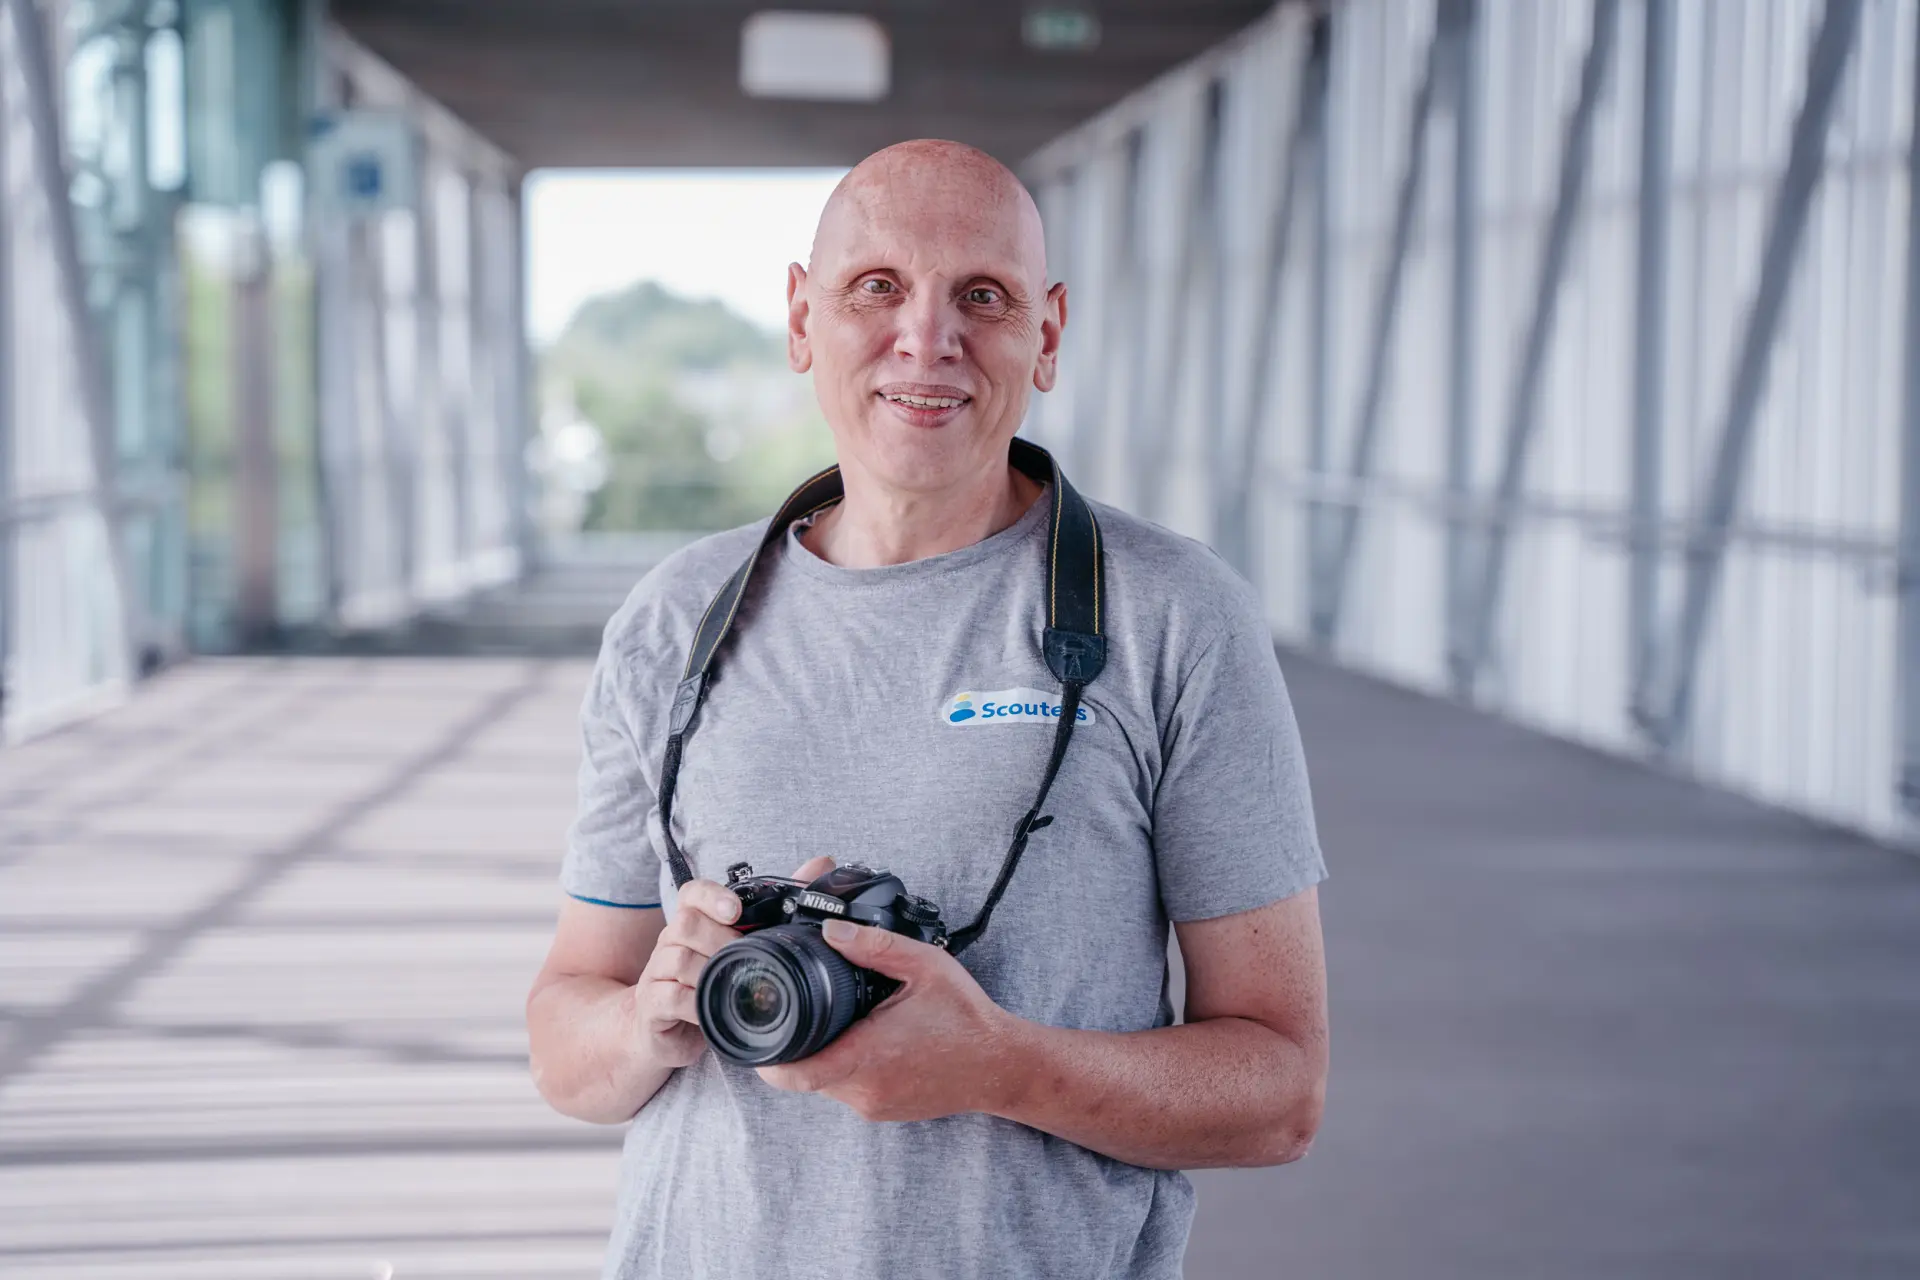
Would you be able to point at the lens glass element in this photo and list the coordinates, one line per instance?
(749, 1002)
(758, 999)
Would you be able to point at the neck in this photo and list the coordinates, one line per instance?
(876, 525)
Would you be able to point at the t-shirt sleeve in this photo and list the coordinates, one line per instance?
(611, 859)
(1233, 821)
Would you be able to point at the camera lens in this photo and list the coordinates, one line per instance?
(758, 999)
(747, 1004)
(778, 995)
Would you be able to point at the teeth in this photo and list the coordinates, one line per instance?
(928, 402)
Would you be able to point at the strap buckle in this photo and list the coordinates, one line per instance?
(1074, 657)
(686, 700)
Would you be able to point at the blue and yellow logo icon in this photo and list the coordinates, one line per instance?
(962, 708)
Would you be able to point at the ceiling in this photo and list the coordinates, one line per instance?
(598, 83)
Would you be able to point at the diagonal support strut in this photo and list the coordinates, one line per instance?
(1233, 529)
(1667, 721)
(1523, 410)
(1334, 568)
(35, 49)
(1199, 211)
(1908, 653)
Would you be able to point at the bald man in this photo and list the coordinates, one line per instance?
(1022, 1110)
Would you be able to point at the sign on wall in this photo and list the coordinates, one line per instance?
(364, 161)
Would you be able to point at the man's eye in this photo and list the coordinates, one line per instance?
(878, 286)
(983, 297)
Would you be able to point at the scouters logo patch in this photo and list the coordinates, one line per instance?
(1008, 706)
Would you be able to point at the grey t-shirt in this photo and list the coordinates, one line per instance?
(895, 716)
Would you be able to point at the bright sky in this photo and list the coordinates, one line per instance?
(726, 234)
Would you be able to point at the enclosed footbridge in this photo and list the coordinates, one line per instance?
(1549, 368)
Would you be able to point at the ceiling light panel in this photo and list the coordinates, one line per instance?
(816, 57)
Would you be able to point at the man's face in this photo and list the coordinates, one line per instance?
(925, 323)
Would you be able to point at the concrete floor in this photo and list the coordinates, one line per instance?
(264, 935)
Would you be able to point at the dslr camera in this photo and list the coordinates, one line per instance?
(781, 993)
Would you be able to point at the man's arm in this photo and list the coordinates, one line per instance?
(588, 1052)
(1240, 1084)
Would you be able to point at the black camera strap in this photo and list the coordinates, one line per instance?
(1073, 644)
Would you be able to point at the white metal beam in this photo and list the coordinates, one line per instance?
(1908, 653)
(49, 165)
(1131, 302)
(9, 607)
(1195, 235)
(1522, 424)
(1234, 528)
(1667, 721)
(1650, 341)
(1460, 26)
(1338, 562)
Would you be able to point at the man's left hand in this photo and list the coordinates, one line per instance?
(936, 1047)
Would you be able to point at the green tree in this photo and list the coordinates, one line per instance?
(647, 367)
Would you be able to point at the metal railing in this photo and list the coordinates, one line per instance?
(423, 386)
(1548, 356)
(67, 608)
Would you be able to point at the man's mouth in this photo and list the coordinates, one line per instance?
(924, 397)
(929, 402)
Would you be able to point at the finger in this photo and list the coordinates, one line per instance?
(674, 962)
(670, 1002)
(674, 1044)
(889, 953)
(814, 868)
(697, 933)
(716, 902)
(823, 1070)
(834, 1064)
(791, 1077)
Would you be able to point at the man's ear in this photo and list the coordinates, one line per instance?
(1053, 323)
(799, 349)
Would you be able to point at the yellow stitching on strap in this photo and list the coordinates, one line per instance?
(827, 502)
(809, 481)
(1053, 561)
(1096, 570)
(739, 595)
(695, 651)
(752, 561)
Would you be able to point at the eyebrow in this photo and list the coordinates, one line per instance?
(1007, 282)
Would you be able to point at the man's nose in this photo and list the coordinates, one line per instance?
(929, 329)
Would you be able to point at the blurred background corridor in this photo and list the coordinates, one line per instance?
(1552, 369)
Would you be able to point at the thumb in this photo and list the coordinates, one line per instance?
(813, 868)
(879, 950)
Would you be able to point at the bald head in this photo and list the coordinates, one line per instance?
(931, 188)
(925, 318)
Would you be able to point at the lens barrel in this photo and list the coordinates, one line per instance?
(778, 995)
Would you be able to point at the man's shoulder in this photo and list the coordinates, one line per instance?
(1171, 571)
(658, 619)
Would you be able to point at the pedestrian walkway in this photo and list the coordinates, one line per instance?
(265, 933)
(264, 938)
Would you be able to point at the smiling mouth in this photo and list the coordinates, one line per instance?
(913, 401)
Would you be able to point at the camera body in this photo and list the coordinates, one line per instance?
(864, 895)
(780, 993)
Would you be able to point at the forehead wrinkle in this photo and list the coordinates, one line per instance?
(931, 195)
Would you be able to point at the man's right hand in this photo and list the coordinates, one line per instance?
(669, 1019)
